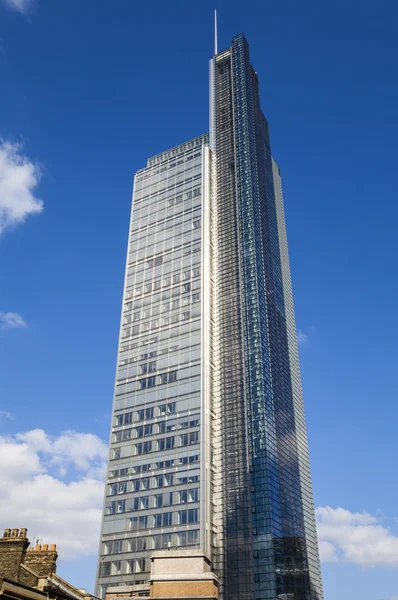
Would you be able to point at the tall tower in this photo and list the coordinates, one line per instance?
(209, 445)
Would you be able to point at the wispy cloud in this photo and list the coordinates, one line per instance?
(302, 338)
(19, 177)
(357, 538)
(20, 5)
(4, 414)
(43, 476)
(10, 320)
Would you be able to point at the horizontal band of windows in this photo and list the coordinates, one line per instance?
(161, 500)
(149, 216)
(163, 239)
(126, 435)
(160, 177)
(157, 284)
(153, 380)
(168, 236)
(144, 468)
(158, 324)
(141, 544)
(154, 520)
(164, 220)
(174, 186)
(157, 482)
(157, 309)
(161, 352)
(168, 443)
(161, 203)
(167, 256)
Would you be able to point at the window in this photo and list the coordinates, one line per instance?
(167, 519)
(122, 487)
(112, 489)
(194, 438)
(146, 413)
(127, 434)
(167, 409)
(147, 383)
(196, 224)
(168, 479)
(115, 453)
(158, 480)
(193, 515)
(137, 523)
(148, 430)
(107, 548)
(158, 500)
(183, 497)
(154, 262)
(186, 288)
(182, 517)
(117, 546)
(148, 367)
(145, 482)
(144, 502)
(193, 495)
(172, 408)
(170, 442)
(193, 537)
(105, 569)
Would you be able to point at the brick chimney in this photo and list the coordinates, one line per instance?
(42, 560)
(13, 546)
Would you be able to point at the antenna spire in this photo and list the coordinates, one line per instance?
(215, 33)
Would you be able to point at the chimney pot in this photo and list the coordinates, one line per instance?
(31, 549)
(38, 547)
(53, 547)
(14, 532)
(45, 547)
(23, 532)
(7, 533)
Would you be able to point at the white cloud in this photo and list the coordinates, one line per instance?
(36, 495)
(11, 320)
(21, 5)
(18, 179)
(357, 538)
(5, 414)
(302, 338)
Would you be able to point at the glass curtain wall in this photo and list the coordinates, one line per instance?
(155, 492)
(268, 547)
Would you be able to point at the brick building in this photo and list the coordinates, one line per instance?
(28, 573)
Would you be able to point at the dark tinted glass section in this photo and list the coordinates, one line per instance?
(267, 556)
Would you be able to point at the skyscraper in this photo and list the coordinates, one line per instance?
(209, 445)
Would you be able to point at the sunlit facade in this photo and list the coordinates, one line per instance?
(208, 444)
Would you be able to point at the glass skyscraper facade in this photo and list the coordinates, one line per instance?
(208, 443)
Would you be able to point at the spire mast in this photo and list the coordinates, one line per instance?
(215, 33)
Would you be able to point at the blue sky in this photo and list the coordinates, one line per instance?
(89, 90)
